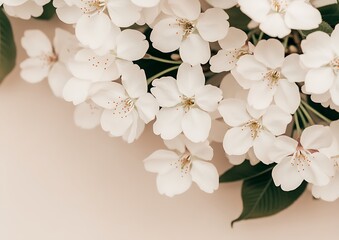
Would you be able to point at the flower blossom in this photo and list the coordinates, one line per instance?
(24, 9)
(187, 163)
(186, 104)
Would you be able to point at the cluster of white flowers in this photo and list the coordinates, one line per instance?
(253, 110)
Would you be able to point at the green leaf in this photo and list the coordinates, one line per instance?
(244, 171)
(237, 18)
(330, 14)
(49, 11)
(7, 47)
(261, 198)
(323, 27)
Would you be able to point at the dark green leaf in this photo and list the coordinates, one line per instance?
(324, 27)
(330, 14)
(261, 198)
(49, 11)
(7, 46)
(238, 19)
(244, 171)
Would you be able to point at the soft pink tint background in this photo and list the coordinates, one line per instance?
(59, 182)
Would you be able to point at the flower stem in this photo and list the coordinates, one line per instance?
(308, 116)
(149, 80)
(150, 57)
(302, 117)
(315, 112)
(296, 122)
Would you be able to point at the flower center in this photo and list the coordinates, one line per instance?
(187, 103)
(186, 25)
(301, 159)
(255, 127)
(184, 163)
(335, 64)
(49, 58)
(278, 6)
(122, 107)
(272, 77)
(93, 6)
(242, 52)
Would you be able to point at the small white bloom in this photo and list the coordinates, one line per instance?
(87, 115)
(187, 163)
(321, 56)
(47, 60)
(190, 31)
(270, 76)
(186, 104)
(128, 106)
(278, 17)
(24, 9)
(233, 47)
(250, 128)
(302, 160)
(222, 3)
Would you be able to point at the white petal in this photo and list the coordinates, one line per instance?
(93, 31)
(160, 161)
(188, 9)
(257, 10)
(173, 182)
(329, 192)
(166, 35)
(302, 15)
(57, 78)
(276, 120)
(208, 97)
(213, 25)
(76, 90)
(195, 50)
(135, 130)
(147, 107)
(223, 61)
(260, 95)
(250, 68)
(287, 96)
(168, 123)
(146, 3)
(319, 80)
(316, 137)
(205, 175)
(166, 91)
(196, 125)
(123, 13)
(115, 125)
(190, 79)
(261, 144)
(36, 43)
(134, 80)
(34, 70)
(131, 45)
(200, 150)
(283, 146)
(286, 175)
(109, 95)
(270, 52)
(238, 141)
(292, 69)
(87, 115)
(234, 112)
(234, 39)
(274, 26)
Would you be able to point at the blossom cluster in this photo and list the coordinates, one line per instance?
(260, 111)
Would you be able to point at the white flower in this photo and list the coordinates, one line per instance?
(185, 104)
(102, 65)
(146, 3)
(233, 47)
(330, 192)
(278, 17)
(270, 76)
(250, 128)
(24, 9)
(302, 160)
(128, 106)
(321, 56)
(179, 168)
(190, 31)
(47, 60)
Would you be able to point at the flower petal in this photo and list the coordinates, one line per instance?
(196, 125)
(270, 52)
(194, 50)
(168, 123)
(287, 96)
(205, 175)
(173, 182)
(160, 161)
(234, 112)
(208, 97)
(316, 137)
(319, 80)
(190, 79)
(147, 107)
(276, 120)
(238, 141)
(166, 91)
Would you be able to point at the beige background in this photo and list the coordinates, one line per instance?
(59, 182)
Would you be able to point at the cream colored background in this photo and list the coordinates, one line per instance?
(59, 182)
